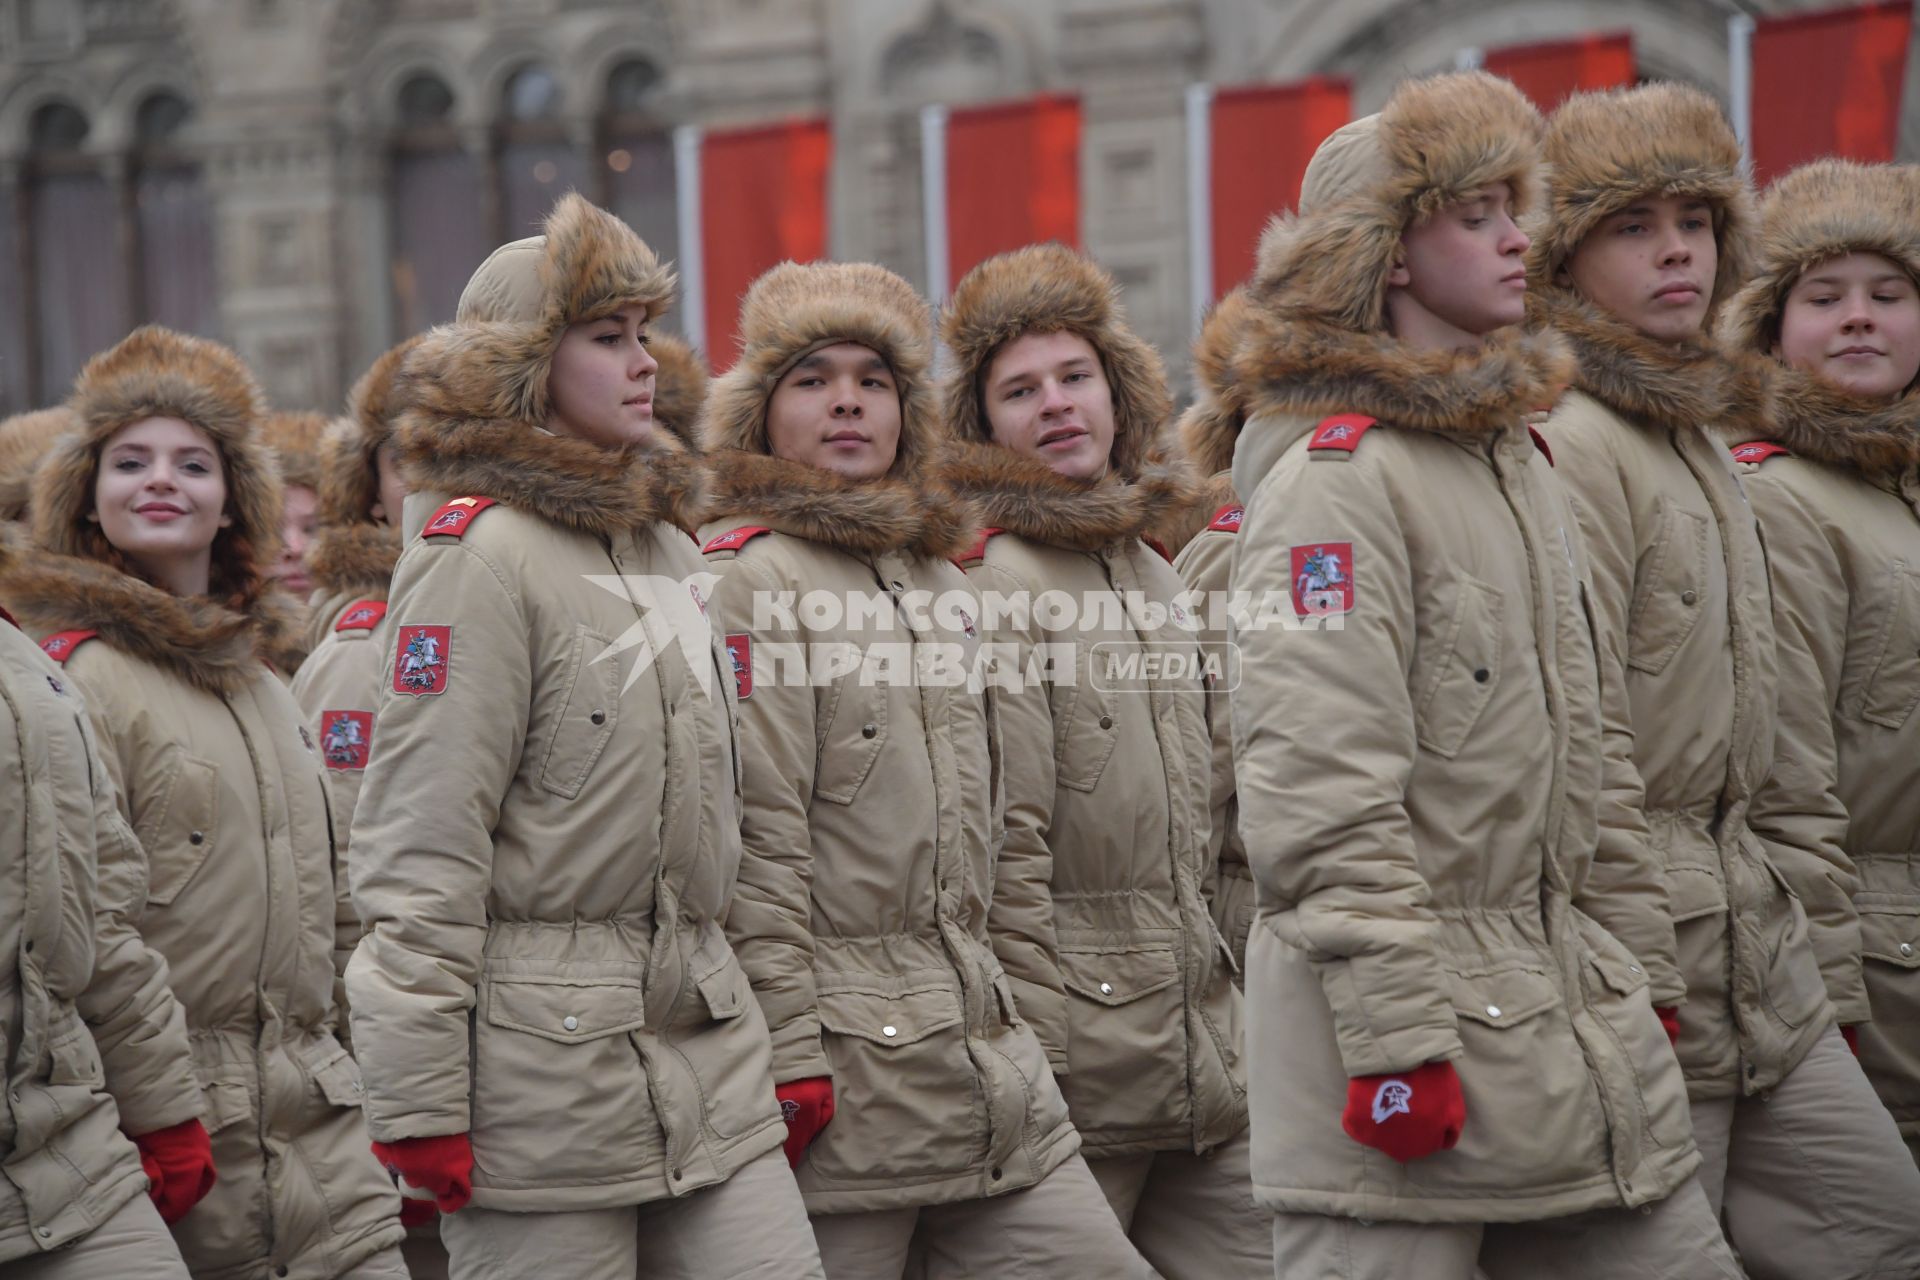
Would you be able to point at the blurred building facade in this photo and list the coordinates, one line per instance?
(311, 180)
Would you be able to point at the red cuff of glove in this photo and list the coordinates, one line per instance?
(179, 1164)
(807, 1106)
(1669, 1015)
(1851, 1034)
(442, 1164)
(1408, 1114)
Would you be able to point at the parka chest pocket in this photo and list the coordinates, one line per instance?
(854, 733)
(1457, 668)
(1892, 686)
(565, 1011)
(177, 827)
(1086, 726)
(589, 711)
(1669, 592)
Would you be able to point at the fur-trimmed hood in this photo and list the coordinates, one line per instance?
(353, 553)
(1816, 420)
(1206, 433)
(155, 372)
(25, 439)
(1691, 383)
(1606, 150)
(203, 642)
(1048, 288)
(1435, 142)
(679, 387)
(295, 439)
(1821, 211)
(1029, 498)
(795, 309)
(863, 517)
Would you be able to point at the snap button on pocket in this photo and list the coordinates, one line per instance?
(598, 717)
(570, 1022)
(1688, 597)
(197, 837)
(1106, 988)
(1493, 1011)
(868, 730)
(1906, 948)
(1106, 722)
(1481, 675)
(889, 1031)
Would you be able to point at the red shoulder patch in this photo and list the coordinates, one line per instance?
(1227, 519)
(1540, 443)
(60, 645)
(452, 520)
(1758, 451)
(978, 551)
(734, 539)
(1342, 431)
(362, 615)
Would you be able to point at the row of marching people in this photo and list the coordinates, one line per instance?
(620, 878)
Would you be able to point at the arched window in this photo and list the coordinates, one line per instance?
(537, 162)
(177, 274)
(439, 207)
(636, 158)
(77, 273)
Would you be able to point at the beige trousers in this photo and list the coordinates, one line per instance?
(751, 1227)
(133, 1244)
(1674, 1239)
(1811, 1178)
(1193, 1217)
(1060, 1228)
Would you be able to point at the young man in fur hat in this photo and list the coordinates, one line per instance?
(1645, 232)
(558, 1042)
(920, 1109)
(1451, 1062)
(1100, 915)
(1834, 476)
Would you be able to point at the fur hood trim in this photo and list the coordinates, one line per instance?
(352, 552)
(679, 387)
(354, 558)
(1209, 428)
(1690, 383)
(1306, 368)
(25, 439)
(295, 440)
(155, 372)
(1608, 149)
(1048, 288)
(1435, 142)
(863, 517)
(1816, 420)
(205, 643)
(1023, 496)
(795, 309)
(1821, 211)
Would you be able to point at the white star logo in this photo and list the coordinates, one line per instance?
(672, 611)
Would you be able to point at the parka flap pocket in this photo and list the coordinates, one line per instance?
(725, 990)
(1622, 976)
(177, 830)
(227, 1103)
(853, 737)
(1890, 928)
(891, 1020)
(1455, 674)
(337, 1076)
(1502, 997)
(1114, 976)
(76, 1060)
(1670, 590)
(568, 1011)
(1694, 891)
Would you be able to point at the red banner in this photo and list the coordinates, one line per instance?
(1013, 179)
(763, 199)
(1552, 71)
(1828, 84)
(1263, 136)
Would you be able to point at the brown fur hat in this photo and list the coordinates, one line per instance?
(1048, 288)
(155, 372)
(24, 440)
(349, 477)
(1435, 142)
(1606, 150)
(1820, 211)
(679, 386)
(498, 352)
(295, 441)
(794, 310)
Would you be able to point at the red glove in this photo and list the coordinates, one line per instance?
(417, 1213)
(807, 1106)
(1851, 1034)
(1408, 1114)
(1669, 1015)
(179, 1163)
(442, 1164)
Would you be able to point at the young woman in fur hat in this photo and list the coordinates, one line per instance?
(1646, 232)
(558, 1042)
(97, 1045)
(1100, 916)
(155, 521)
(1834, 476)
(1452, 1062)
(918, 1100)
